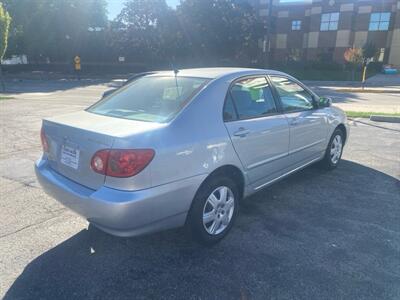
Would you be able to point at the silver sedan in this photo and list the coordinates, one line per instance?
(176, 148)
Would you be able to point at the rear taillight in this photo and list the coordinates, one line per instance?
(43, 138)
(99, 161)
(121, 162)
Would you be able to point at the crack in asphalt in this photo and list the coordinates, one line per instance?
(31, 225)
(24, 183)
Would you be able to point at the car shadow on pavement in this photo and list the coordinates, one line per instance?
(314, 235)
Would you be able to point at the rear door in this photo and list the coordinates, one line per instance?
(308, 124)
(259, 133)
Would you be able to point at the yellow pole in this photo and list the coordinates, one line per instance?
(363, 75)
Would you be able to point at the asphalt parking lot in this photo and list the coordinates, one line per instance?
(314, 235)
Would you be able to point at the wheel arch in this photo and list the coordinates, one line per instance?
(230, 171)
(344, 130)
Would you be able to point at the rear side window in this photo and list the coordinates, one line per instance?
(293, 96)
(253, 98)
(153, 99)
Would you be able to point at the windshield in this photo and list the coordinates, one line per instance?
(152, 99)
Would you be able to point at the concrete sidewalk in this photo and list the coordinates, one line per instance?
(362, 102)
(350, 89)
(380, 83)
(380, 95)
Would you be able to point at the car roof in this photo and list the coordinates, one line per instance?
(213, 73)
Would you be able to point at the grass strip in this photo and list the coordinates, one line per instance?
(6, 97)
(367, 114)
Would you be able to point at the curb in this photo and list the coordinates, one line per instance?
(388, 119)
(377, 91)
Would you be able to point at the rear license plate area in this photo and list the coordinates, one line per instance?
(70, 156)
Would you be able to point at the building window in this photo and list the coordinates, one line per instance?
(329, 21)
(296, 25)
(379, 21)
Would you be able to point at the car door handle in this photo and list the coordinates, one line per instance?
(241, 132)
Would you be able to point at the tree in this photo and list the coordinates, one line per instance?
(5, 20)
(354, 56)
(219, 29)
(369, 54)
(369, 51)
(56, 29)
(21, 11)
(360, 57)
(147, 31)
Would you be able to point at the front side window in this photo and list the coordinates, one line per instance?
(379, 22)
(296, 24)
(152, 99)
(252, 98)
(293, 96)
(329, 21)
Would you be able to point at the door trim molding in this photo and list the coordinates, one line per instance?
(307, 146)
(265, 161)
(287, 173)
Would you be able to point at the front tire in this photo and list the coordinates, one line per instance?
(214, 210)
(333, 153)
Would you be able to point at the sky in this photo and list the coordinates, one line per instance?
(115, 6)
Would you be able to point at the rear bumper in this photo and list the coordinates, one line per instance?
(123, 213)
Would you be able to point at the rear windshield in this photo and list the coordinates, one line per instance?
(152, 99)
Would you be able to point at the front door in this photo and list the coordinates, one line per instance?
(308, 125)
(259, 133)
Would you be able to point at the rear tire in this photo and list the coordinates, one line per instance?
(214, 210)
(333, 153)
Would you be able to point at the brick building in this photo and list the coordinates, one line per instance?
(324, 29)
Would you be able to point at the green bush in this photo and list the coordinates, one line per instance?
(375, 66)
(320, 65)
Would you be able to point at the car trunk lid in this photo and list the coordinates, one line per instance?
(74, 138)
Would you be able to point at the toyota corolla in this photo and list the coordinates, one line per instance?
(176, 148)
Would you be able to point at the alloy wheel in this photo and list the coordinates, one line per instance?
(218, 210)
(336, 149)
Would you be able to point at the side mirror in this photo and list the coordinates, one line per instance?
(108, 92)
(324, 102)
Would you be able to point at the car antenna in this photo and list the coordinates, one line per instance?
(176, 71)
